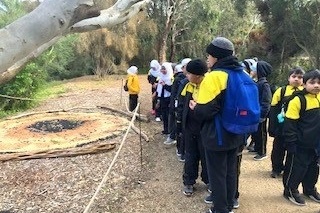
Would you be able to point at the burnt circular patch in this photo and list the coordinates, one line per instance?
(56, 125)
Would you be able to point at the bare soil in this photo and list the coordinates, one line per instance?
(147, 177)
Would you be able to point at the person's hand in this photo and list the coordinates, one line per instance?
(155, 85)
(192, 104)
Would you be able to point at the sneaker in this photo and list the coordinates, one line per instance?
(170, 141)
(178, 153)
(158, 119)
(315, 196)
(294, 197)
(181, 158)
(235, 203)
(275, 174)
(260, 157)
(188, 190)
(208, 188)
(209, 199)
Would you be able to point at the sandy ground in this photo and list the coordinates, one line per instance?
(147, 177)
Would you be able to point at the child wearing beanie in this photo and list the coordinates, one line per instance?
(190, 125)
(220, 149)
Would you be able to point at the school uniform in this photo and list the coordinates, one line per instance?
(172, 107)
(275, 128)
(301, 135)
(194, 150)
(221, 155)
(260, 136)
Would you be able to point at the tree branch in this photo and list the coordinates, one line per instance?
(29, 36)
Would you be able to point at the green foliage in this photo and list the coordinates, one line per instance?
(60, 61)
(14, 11)
(24, 85)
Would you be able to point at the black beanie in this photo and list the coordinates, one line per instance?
(220, 47)
(197, 67)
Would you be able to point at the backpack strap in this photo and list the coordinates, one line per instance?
(303, 102)
(282, 92)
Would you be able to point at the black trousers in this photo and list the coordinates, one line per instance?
(277, 154)
(154, 103)
(164, 106)
(222, 171)
(172, 124)
(133, 101)
(180, 143)
(260, 138)
(301, 167)
(239, 160)
(194, 154)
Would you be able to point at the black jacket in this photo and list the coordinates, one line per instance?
(211, 95)
(302, 128)
(265, 95)
(175, 88)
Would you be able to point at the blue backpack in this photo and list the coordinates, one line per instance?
(241, 109)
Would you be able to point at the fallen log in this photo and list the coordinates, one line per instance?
(71, 152)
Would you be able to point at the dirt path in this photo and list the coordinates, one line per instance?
(139, 183)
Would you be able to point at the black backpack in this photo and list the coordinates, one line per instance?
(285, 102)
(125, 86)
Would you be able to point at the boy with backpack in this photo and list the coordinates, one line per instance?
(220, 88)
(301, 134)
(278, 105)
(260, 136)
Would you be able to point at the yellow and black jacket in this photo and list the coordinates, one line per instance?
(184, 114)
(133, 84)
(210, 98)
(302, 127)
(280, 97)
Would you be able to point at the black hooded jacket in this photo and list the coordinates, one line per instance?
(263, 70)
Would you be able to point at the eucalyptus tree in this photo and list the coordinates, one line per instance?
(171, 17)
(27, 37)
(212, 18)
(186, 26)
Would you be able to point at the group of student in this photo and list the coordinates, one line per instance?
(189, 96)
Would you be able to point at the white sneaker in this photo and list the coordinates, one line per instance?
(170, 141)
(158, 119)
(177, 153)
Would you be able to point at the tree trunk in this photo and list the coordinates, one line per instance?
(29, 36)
